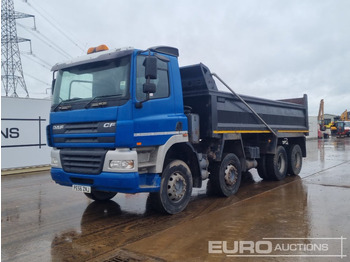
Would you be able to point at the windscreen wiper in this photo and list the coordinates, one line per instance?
(64, 101)
(100, 103)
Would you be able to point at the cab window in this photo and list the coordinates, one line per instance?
(162, 81)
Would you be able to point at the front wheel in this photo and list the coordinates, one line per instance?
(175, 188)
(100, 195)
(226, 176)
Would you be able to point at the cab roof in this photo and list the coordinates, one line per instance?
(111, 54)
(94, 57)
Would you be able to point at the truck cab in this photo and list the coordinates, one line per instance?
(109, 133)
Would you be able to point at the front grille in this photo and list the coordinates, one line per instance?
(84, 133)
(84, 128)
(94, 139)
(83, 161)
(78, 128)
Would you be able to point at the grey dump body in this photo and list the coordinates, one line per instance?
(223, 112)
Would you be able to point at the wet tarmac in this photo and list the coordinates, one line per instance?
(303, 218)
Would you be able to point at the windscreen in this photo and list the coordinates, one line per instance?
(93, 81)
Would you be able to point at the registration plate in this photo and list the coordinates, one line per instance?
(79, 188)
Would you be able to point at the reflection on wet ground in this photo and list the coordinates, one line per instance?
(45, 222)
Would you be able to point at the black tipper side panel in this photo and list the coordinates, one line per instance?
(222, 111)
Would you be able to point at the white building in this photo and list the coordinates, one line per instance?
(23, 132)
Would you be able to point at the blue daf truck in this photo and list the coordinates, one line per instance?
(130, 121)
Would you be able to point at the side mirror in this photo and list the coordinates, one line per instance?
(53, 85)
(150, 65)
(53, 81)
(149, 88)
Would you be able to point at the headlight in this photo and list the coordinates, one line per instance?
(54, 161)
(121, 164)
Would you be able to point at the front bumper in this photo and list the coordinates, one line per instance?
(132, 182)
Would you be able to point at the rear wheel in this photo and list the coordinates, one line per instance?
(175, 188)
(295, 160)
(100, 195)
(277, 164)
(226, 176)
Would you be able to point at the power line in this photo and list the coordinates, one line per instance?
(55, 26)
(37, 79)
(47, 41)
(19, 15)
(42, 63)
(72, 35)
(42, 60)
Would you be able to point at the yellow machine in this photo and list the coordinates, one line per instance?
(328, 123)
(320, 117)
(344, 116)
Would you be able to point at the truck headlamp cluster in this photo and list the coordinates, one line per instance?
(54, 161)
(121, 164)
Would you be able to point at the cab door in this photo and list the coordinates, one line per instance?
(155, 121)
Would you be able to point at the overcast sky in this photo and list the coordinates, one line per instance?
(274, 49)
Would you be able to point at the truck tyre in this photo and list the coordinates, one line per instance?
(175, 188)
(262, 172)
(277, 164)
(100, 195)
(295, 160)
(226, 176)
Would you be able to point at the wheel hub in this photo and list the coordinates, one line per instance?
(231, 175)
(176, 187)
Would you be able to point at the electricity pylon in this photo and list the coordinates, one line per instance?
(11, 66)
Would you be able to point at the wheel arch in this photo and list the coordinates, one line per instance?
(301, 141)
(178, 147)
(186, 153)
(236, 147)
